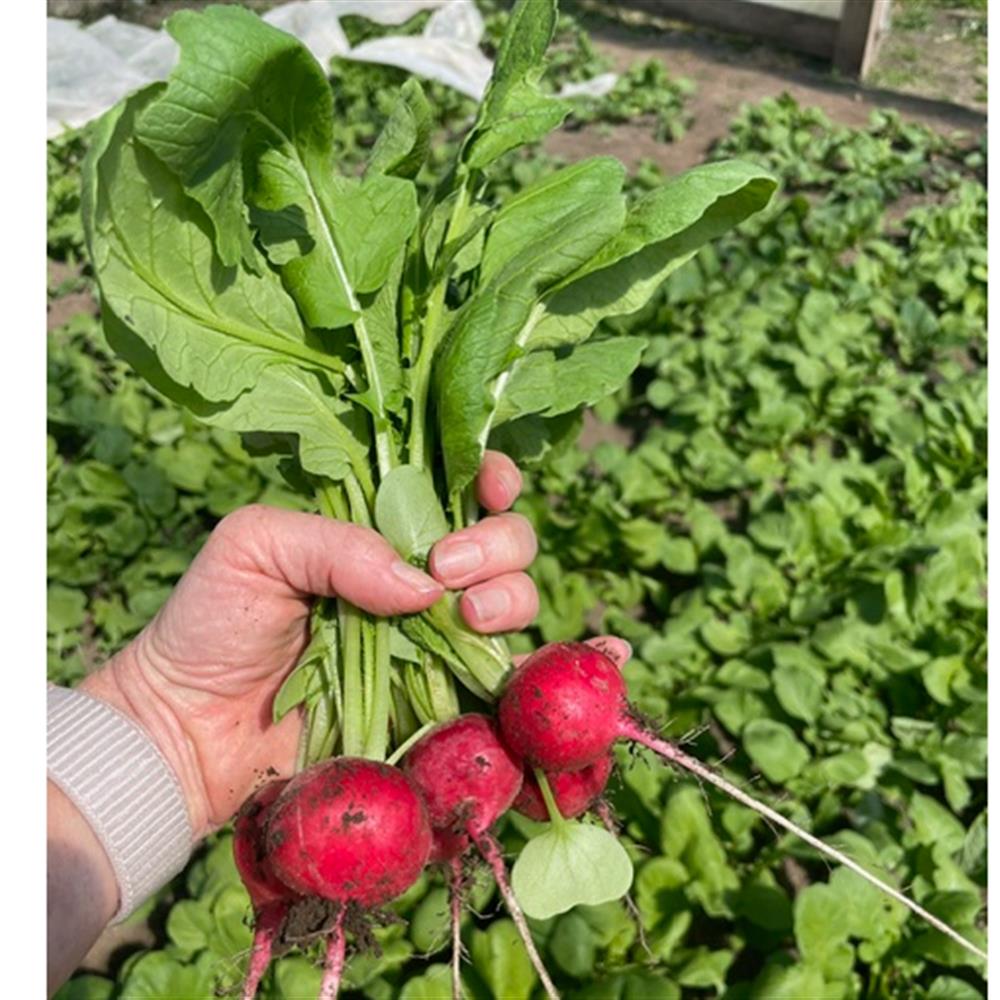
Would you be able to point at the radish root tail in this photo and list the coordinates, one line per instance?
(455, 899)
(333, 967)
(490, 850)
(268, 925)
(632, 730)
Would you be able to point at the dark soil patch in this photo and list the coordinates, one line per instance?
(728, 75)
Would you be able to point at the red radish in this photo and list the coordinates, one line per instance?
(562, 707)
(468, 779)
(351, 831)
(566, 705)
(269, 896)
(574, 791)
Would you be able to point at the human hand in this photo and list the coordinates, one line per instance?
(201, 677)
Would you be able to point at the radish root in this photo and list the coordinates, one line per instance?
(490, 850)
(268, 925)
(632, 730)
(333, 967)
(455, 899)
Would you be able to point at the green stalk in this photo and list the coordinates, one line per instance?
(368, 672)
(378, 730)
(555, 817)
(352, 728)
(484, 659)
(371, 686)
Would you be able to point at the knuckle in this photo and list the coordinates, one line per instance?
(242, 518)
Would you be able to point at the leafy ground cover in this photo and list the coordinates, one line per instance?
(793, 539)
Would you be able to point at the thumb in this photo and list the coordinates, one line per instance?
(314, 555)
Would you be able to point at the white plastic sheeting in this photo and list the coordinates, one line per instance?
(91, 68)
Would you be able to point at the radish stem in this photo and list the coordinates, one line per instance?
(631, 730)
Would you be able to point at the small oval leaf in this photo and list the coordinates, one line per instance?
(570, 864)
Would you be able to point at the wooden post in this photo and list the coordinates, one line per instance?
(862, 24)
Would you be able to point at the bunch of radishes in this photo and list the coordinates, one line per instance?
(348, 835)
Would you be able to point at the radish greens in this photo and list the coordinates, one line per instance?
(378, 341)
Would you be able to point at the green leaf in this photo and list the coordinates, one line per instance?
(514, 110)
(531, 440)
(679, 555)
(570, 864)
(500, 958)
(686, 834)
(433, 984)
(661, 232)
(550, 383)
(793, 982)
(774, 748)
(526, 221)
(583, 206)
(157, 975)
(274, 378)
(66, 608)
(799, 690)
(950, 988)
(227, 91)
(404, 141)
(86, 987)
(408, 512)
(573, 945)
(430, 922)
(296, 977)
(190, 926)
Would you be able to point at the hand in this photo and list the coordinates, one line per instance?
(201, 677)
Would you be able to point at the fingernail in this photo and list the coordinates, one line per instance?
(415, 578)
(489, 604)
(457, 559)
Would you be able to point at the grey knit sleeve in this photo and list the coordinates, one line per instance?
(109, 768)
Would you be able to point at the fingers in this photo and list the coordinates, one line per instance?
(311, 554)
(506, 603)
(498, 483)
(500, 544)
(619, 650)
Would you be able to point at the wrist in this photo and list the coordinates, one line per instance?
(129, 684)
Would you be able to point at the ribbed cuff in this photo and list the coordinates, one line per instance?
(113, 773)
